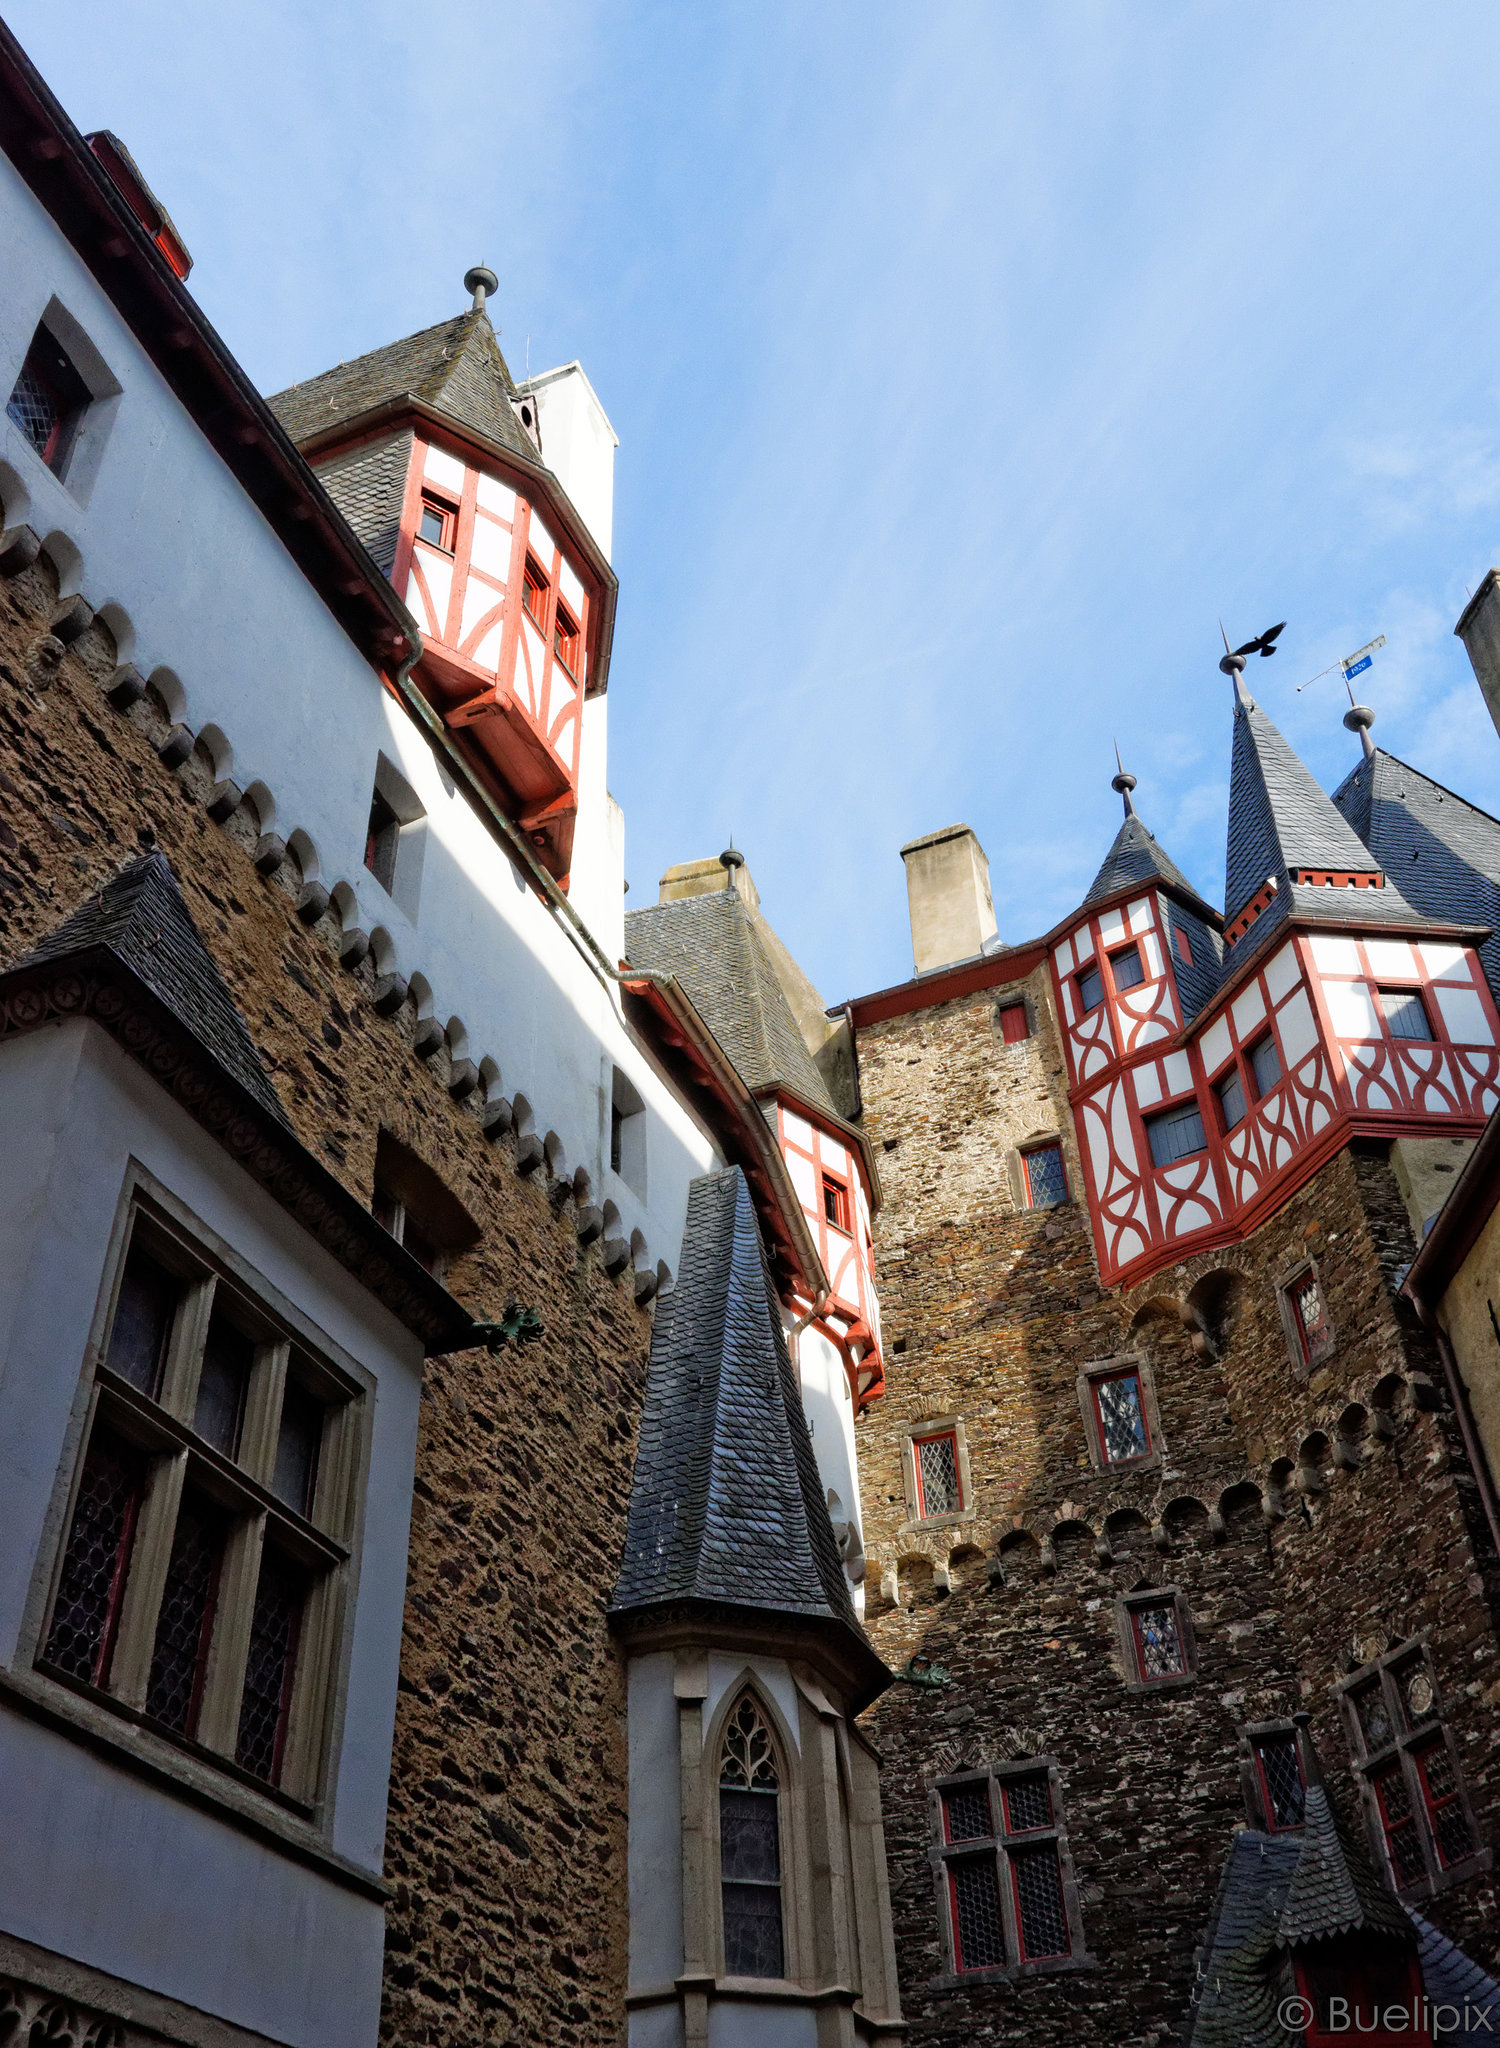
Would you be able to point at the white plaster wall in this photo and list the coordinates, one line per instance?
(737, 2023)
(655, 1838)
(99, 1864)
(830, 1412)
(578, 445)
(202, 588)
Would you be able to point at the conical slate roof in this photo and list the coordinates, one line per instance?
(711, 945)
(1334, 1888)
(1279, 818)
(140, 917)
(1136, 857)
(455, 367)
(726, 1504)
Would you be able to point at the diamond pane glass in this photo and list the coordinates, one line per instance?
(1281, 1774)
(269, 1672)
(1128, 970)
(1158, 1642)
(1265, 1064)
(752, 1930)
(1405, 1014)
(1312, 1322)
(978, 1936)
(966, 1813)
(1039, 1901)
(143, 1322)
(1418, 1697)
(1400, 1825)
(1450, 1825)
(95, 1562)
(1175, 1134)
(185, 1622)
(1046, 1183)
(34, 410)
(227, 1358)
(1028, 1804)
(1122, 1418)
(937, 1458)
(1374, 1717)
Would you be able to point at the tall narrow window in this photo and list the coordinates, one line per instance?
(535, 593)
(1157, 1639)
(437, 523)
(1305, 1315)
(567, 640)
(836, 1203)
(382, 835)
(1231, 1094)
(1001, 1843)
(185, 1624)
(1265, 1064)
(1406, 1761)
(1278, 1769)
(1090, 988)
(1120, 1411)
(48, 401)
(750, 1846)
(275, 1629)
(1184, 945)
(1046, 1177)
(939, 1488)
(96, 1561)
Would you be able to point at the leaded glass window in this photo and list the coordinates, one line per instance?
(1400, 1824)
(1123, 1433)
(938, 1486)
(1046, 1179)
(966, 1813)
(1028, 1804)
(48, 401)
(96, 1560)
(1409, 1767)
(1039, 1902)
(1158, 1641)
(185, 1623)
(1445, 1813)
(1310, 1318)
(1006, 1900)
(750, 1846)
(978, 1933)
(1282, 1789)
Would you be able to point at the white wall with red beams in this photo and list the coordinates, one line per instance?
(468, 600)
(852, 1317)
(1343, 1072)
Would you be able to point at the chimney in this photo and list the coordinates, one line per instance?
(1479, 630)
(705, 877)
(948, 893)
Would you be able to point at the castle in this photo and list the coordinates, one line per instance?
(560, 1489)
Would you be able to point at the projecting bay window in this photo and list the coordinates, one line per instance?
(1126, 968)
(1405, 1014)
(536, 591)
(1007, 1897)
(200, 1582)
(1408, 1771)
(1090, 987)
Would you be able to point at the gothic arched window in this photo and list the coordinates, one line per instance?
(750, 1846)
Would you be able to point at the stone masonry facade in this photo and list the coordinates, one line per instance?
(1307, 1524)
(507, 1835)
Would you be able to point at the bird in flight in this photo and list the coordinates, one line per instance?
(1263, 643)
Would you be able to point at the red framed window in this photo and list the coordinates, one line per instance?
(1041, 1917)
(1027, 1803)
(836, 1203)
(1310, 1325)
(1283, 1790)
(974, 1899)
(1447, 1822)
(1046, 1177)
(1127, 969)
(1120, 1415)
(567, 639)
(1007, 1902)
(1265, 1064)
(1157, 1638)
(1183, 944)
(1230, 1090)
(48, 401)
(939, 1480)
(96, 1562)
(1358, 1991)
(1015, 1025)
(437, 522)
(535, 591)
(1399, 1822)
(966, 1813)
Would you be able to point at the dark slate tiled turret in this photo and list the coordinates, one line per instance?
(140, 917)
(726, 1505)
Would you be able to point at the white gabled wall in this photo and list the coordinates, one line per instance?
(578, 444)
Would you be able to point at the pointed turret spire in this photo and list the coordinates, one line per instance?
(1135, 856)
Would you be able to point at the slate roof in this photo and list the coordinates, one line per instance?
(1279, 817)
(726, 1504)
(1442, 851)
(1136, 857)
(140, 917)
(711, 945)
(1453, 1979)
(455, 367)
(1334, 1887)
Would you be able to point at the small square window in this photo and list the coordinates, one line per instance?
(1231, 1094)
(48, 401)
(1090, 988)
(836, 1203)
(1405, 1013)
(1046, 1177)
(535, 592)
(1124, 1433)
(966, 1813)
(1175, 1133)
(1028, 1804)
(1265, 1064)
(1127, 969)
(567, 640)
(437, 523)
(939, 1486)
(1015, 1025)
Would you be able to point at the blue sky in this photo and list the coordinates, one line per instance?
(968, 364)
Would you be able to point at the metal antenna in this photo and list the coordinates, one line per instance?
(1123, 783)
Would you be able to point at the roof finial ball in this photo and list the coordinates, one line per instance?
(1232, 661)
(1359, 718)
(729, 860)
(483, 283)
(1123, 783)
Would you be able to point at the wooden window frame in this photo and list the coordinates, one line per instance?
(925, 1431)
(1254, 1092)
(1026, 1155)
(70, 405)
(1412, 991)
(1127, 1607)
(320, 1545)
(1260, 1807)
(1161, 1115)
(1293, 1326)
(567, 639)
(839, 1190)
(1402, 1754)
(1120, 1366)
(535, 579)
(1014, 1007)
(1001, 1844)
(1094, 967)
(447, 511)
(1123, 953)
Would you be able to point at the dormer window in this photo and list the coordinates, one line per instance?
(1127, 969)
(48, 401)
(438, 523)
(567, 640)
(536, 592)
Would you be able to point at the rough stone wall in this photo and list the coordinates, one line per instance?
(1310, 1524)
(506, 1843)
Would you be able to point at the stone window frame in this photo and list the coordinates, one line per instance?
(797, 1891)
(1252, 1773)
(1016, 999)
(77, 468)
(1015, 1162)
(1402, 1752)
(942, 1853)
(324, 1544)
(1286, 1280)
(1113, 1368)
(913, 1433)
(1126, 1606)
